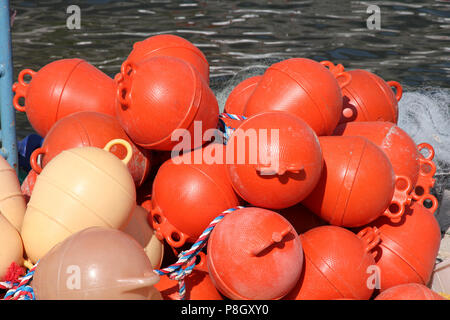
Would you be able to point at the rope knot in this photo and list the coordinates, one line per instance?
(20, 290)
(184, 270)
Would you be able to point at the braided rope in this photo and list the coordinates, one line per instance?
(6, 285)
(226, 115)
(186, 262)
(227, 130)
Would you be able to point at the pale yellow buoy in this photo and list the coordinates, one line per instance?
(12, 202)
(79, 188)
(11, 248)
(142, 232)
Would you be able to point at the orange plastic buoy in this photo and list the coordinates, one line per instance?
(198, 284)
(144, 199)
(303, 87)
(274, 160)
(160, 95)
(96, 264)
(301, 218)
(426, 179)
(238, 98)
(357, 184)
(368, 97)
(400, 148)
(336, 264)
(254, 254)
(409, 291)
(90, 129)
(61, 88)
(28, 185)
(408, 249)
(188, 195)
(170, 46)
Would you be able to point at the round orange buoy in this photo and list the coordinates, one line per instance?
(170, 46)
(274, 160)
(90, 129)
(61, 88)
(144, 199)
(254, 253)
(198, 284)
(336, 264)
(398, 146)
(189, 194)
(303, 87)
(96, 264)
(368, 97)
(426, 179)
(301, 218)
(160, 95)
(402, 258)
(357, 184)
(238, 98)
(409, 291)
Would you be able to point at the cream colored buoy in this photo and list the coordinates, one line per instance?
(11, 248)
(142, 232)
(80, 188)
(12, 202)
(96, 264)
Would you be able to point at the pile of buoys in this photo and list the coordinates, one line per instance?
(304, 189)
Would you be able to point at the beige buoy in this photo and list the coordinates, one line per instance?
(79, 188)
(12, 202)
(11, 248)
(143, 233)
(96, 264)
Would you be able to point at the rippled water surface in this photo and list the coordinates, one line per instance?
(412, 46)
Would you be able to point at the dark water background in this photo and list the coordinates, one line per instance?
(412, 46)
(242, 38)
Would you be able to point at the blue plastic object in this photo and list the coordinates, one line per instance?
(7, 112)
(26, 148)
